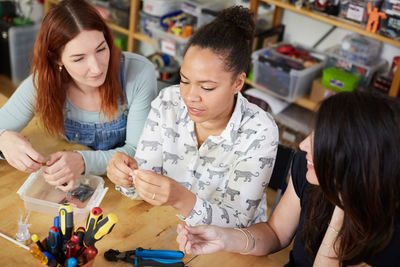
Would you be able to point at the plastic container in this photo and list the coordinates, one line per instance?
(40, 196)
(119, 12)
(357, 10)
(161, 7)
(360, 49)
(148, 22)
(390, 27)
(198, 9)
(169, 44)
(339, 80)
(365, 72)
(21, 41)
(287, 85)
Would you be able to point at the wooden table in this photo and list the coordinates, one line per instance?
(140, 224)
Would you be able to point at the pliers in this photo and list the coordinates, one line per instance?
(146, 257)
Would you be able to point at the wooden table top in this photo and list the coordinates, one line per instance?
(140, 224)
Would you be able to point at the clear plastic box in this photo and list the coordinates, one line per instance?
(356, 10)
(359, 48)
(365, 72)
(148, 22)
(196, 9)
(21, 41)
(168, 43)
(285, 85)
(161, 7)
(40, 196)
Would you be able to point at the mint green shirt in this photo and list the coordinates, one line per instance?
(140, 88)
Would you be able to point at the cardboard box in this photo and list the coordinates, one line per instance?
(319, 92)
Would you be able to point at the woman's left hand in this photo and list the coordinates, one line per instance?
(161, 190)
(64, 167)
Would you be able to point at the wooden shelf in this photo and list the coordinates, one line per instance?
(304, 101)
(336, 21)
(280, 6)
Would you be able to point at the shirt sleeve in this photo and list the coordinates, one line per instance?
(148, 154)
(248, 180)
(140, 92)
(18, 111)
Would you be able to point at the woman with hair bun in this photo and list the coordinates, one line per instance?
(205, 150)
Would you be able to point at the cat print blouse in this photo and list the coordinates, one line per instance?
(229, 173)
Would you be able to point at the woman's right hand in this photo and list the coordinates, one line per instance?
(120, 169)
(201, 239)
(19, 152)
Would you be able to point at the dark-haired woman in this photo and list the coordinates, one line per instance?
(342, 203)
(205, 150)
(83, 88)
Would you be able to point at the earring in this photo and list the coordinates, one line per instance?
(60, 67)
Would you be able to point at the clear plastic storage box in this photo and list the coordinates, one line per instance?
(357, 10)
(364, 71)
(287, 85)
(40, 196)
(169, 44)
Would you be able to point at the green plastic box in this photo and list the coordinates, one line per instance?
(339, 80)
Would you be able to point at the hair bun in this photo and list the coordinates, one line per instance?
(240, 17)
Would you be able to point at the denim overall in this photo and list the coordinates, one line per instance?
(100, 136)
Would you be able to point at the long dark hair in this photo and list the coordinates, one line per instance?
(356, 152)
(229, 36)
(61, 24)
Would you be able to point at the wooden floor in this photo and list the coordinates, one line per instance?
(7, 88)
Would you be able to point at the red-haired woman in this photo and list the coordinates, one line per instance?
(83, 88)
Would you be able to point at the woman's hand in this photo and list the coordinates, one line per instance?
(120, 169)
(64, 167)
(19, 153)
(202, 239)
(161, 190)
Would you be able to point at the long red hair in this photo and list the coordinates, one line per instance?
(61, 24)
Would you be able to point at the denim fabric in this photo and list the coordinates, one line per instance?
(100, 136)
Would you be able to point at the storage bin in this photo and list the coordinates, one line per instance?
(287, 85)
(148, 22)
(119, 13)
(197, 9)
(365, 72)
(168, 43)
(161, 7)
(361, 49)
(21, 40)
(357, 10)
(40, 196)
(390, 27)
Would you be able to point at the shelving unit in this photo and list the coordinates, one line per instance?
(280, 6)
(132, 32)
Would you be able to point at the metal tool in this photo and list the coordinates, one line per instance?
(145, 257)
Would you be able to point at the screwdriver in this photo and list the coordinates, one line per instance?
(95, 215)
(35, 239)
(80, 232)
(103, 227)
(90, 253)
(53, 243)
(65, 213)
(35, 251)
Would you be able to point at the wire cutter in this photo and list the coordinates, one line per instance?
(146, 257)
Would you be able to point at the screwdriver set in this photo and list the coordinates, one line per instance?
(66, 247)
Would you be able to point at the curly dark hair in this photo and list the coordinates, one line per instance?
(228, 35)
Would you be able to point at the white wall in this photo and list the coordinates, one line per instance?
(307, 31)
